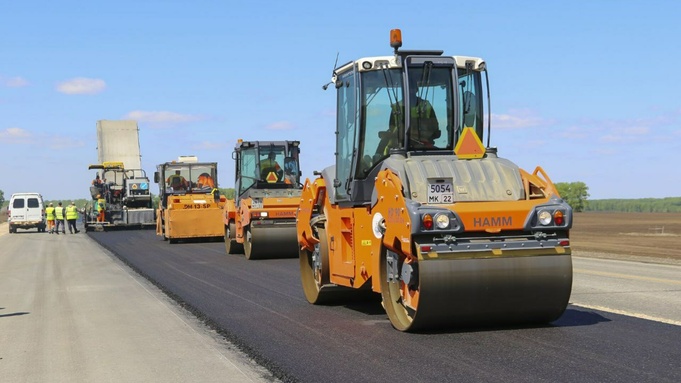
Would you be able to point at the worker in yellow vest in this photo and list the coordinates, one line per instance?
(59, 216)
(71, 217)
(49, 214)
(101, 210)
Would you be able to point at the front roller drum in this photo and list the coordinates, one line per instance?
(266, 242)
(474, 292)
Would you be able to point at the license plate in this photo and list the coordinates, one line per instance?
(440, 192)
(256, 204)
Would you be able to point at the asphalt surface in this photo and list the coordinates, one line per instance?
(631, 288)
(259, 306)
(72, 312)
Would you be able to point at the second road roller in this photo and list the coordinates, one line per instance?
(418, 209)
(260, 221)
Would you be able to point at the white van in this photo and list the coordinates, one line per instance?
(26, 211)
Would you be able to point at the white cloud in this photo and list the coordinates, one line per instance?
(625, 134)
(23, 136)
(14, 82)
(211, 145)
(517, 119)
(160, 117)
(636, 130)
(575, 132)
(280, 125)
(328, 112)
(60, 142)
(81, 85)
(15, 135)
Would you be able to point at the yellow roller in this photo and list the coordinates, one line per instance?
(260, 220)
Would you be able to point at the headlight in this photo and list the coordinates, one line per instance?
(442, 221)
(544, 217)
(263, 214)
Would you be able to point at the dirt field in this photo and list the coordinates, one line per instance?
(656, 235)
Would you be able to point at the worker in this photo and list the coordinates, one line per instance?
(71, 217)
(205, 181)
(59, 218)
(98, 184)
(49, 214)
(423, 127)
(177, 181)
(270, 165)
(101, 208)
(97, 181)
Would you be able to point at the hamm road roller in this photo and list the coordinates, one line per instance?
(418, 209)
(261, 221)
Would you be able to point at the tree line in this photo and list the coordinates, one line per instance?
(642, 205)
(577, 195)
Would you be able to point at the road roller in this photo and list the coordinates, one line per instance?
(190, 205)
(261, 221)
(417, 209)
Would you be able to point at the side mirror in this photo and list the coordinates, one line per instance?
(157, 177)
(290, 166)
(234, 155)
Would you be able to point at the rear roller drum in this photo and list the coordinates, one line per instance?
(231, 245)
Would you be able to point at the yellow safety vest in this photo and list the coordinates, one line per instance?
(49, 212)
(71, 212)
(59, 211)
(100, 204)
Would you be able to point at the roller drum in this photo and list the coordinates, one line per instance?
(484, 291)
(266, 242)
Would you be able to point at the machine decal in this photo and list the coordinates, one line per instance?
(493, 221)
(196, 206)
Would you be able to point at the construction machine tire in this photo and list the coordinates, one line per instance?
(315, 277)
(231, 245)
(269, 242)
(475, 291)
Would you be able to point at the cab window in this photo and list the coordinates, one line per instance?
(249, 169)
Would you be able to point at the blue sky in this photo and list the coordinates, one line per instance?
(589, 90)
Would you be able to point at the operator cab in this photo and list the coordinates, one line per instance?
(266, 165)
(183, 178)
(412, 103)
